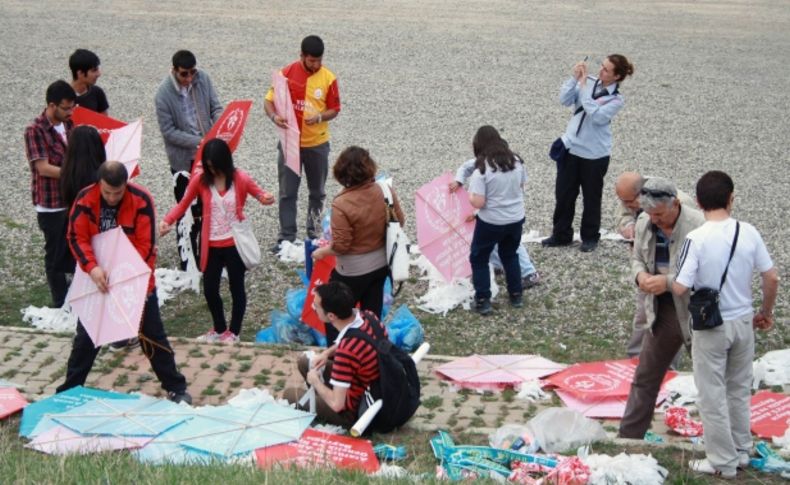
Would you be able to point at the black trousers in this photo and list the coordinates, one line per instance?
(83, 352)
(229, 258)
(179, 190)
(368, 290)
(57, 257)
(574, 173)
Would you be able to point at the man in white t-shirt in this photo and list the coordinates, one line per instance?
(723, 355)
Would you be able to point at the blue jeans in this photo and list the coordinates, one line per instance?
(526, 265)
(508, 238)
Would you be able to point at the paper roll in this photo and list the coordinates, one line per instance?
(420, 352)
(367, 417)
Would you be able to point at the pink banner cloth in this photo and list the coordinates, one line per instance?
(60, 440)
(608, 378)
(443, 232)
(496, 372)
(115, 315)
(11, 401)
(600, 407)
(290, 136)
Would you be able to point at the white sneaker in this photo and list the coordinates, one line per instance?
(229, 337)
(209, 337)
(704, 466)
(743, 460)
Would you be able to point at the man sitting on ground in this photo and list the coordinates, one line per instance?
(349, 367)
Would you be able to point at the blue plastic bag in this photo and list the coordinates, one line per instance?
(294, 302)
(290, 330)
(404, 330)
(266, 336)
(388, 299)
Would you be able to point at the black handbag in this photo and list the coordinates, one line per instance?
(704, 303)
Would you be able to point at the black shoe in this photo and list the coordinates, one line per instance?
(124, 344)
(531, 280)
(588, 246)
(516, 300)
(483, 306)
(554, 242)
(276, 248)
(178, 397)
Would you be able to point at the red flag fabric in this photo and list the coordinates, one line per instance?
(228, 127)
(103, 123)
(317, 449)
(608, 378)
(321, 271)
(770, 414)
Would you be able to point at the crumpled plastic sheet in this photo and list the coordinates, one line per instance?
(560, 429)
(534, 236)
(769, 461)
(773, 369)
(442, 296)
(625, 469)
(531, 391)
(682, 391)
(291, 252)
(783, 441)
(53, 319)
(390, 471)
(171, 282)
(678, 419)
(329, 428)
(250, 398)
(522, 473)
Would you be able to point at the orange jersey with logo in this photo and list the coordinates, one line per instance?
(311, 94)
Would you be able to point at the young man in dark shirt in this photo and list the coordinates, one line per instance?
(85, 71)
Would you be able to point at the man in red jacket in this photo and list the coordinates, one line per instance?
(110, 203)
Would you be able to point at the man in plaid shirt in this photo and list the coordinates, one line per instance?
(45, 144)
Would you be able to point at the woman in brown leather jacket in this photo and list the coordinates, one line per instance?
(359, 224)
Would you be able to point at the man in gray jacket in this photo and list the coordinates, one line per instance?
(660, 231)
(186, 108)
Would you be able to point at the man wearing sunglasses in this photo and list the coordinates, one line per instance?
(45, 144)
(316, 100)
(660, 231)
(627, 188)
(186, 108)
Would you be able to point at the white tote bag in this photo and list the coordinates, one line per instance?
(243, 237)
(397, 242)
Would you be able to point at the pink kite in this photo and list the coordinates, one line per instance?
(60, 440)
(496, 372)
(124, 145)
(228, 127)
(610, 378)
(290, 136)
(770, 414)
(103, 123)
(318, 449)
(443, 233)
(600, 407)
(115, 315)
(320, 275)
(11, 401)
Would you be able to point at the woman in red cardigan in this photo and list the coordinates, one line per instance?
(223, 191)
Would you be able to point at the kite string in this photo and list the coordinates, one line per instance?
(147, 345)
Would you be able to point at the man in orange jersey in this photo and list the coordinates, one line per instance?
(316, 100)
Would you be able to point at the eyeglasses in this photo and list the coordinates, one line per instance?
(657, 193)
(187, 73)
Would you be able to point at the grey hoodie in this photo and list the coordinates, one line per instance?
(180, 142)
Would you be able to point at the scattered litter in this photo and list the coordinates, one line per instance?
(625, 469)
(534, 236)
(513, 437)
(247, 398)
(329, 428)
(171, 282)
(682, 391)
(783, 442)
(559, 429)
(679, 420)
(291, 252)
(53, 319)
(654, 438)
(532, 391)
(773, 369)
(769, 461)
(390, 452)
(441, 296)
(390, 471)
(570, 471)
(404, 330)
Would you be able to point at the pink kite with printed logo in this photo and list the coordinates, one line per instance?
(11, 401)
(290, 136)
(609, 378)
(229, 127)
(601, 407)
(115, 315)
(125, 145)
(443, 232)
(496, 372)
(770, 414)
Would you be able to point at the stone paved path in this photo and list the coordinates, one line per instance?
(215, 372)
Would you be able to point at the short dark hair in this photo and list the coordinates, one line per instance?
(114, 173)
(184, 59)
(354, 167)
(82, 60)
(312, 45)
(337, 298)
(60, 90)
(714, 190)
(216, 154)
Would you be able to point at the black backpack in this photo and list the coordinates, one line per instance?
(398, 385)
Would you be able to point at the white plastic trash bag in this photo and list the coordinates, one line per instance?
(560, 429)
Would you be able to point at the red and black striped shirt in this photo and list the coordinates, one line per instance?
(356, 363)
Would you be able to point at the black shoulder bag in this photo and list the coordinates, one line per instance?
(704, 303)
